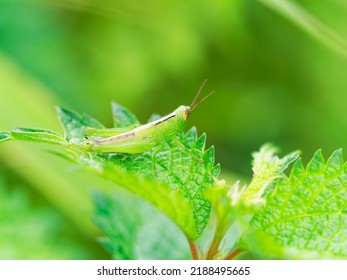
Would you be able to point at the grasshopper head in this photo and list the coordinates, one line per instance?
(182, 112)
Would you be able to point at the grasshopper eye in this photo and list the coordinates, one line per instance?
(186, 115)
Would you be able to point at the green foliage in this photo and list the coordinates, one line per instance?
(305, 216)
(38, 135)
(5, 136)
(75, 125)
(136, 230)
(232, 202)
(122, 117)
(266, 168)
(297, 216)
(259, 55)
(30, 231)
(171, 176)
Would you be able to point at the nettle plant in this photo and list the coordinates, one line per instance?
(297, 216)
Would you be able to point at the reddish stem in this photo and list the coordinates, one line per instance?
(193, 250)
(213, 250)
(233, 254)
(217, 239)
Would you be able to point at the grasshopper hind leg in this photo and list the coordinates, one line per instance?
(153, 156)
(189, 151)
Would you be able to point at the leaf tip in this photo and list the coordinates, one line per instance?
(200, 143)
(317, 162)
(5, 136)
(335, 162)
(209, 157)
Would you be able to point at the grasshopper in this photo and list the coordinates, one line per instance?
(144, 137)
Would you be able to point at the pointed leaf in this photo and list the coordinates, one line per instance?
(298, 172)
(122, 117)
(266, 167)
(38, 135)
(75, 124)
(215, 170)
(334, 163)
(208, 157)
(200, 143)
(154, 117)
(317, 163)
(4, 136)
(287, 160)
(190, 137)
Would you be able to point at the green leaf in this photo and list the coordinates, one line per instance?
(231, 203)
(224, 200)
(168, 176)
(67, 154)
(4, 136)
(266, 167)
(154, 191)
(142, 233)
(38, 135)
(200, 143)
(75, 124)
(306, 214)
(208, 157)
(190, 137)
(122, 117)
(154, 117)
(171, 177)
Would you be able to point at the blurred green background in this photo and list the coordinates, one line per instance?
(278, 69)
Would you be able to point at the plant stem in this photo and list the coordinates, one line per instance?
(193, 250)
(233, 254)
(213, 250)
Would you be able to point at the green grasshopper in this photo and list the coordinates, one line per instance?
(144, 137)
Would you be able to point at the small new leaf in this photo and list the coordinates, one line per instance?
(266, 167)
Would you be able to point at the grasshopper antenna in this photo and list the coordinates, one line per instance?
(194, 105)
(197, 95)
(208, 95)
